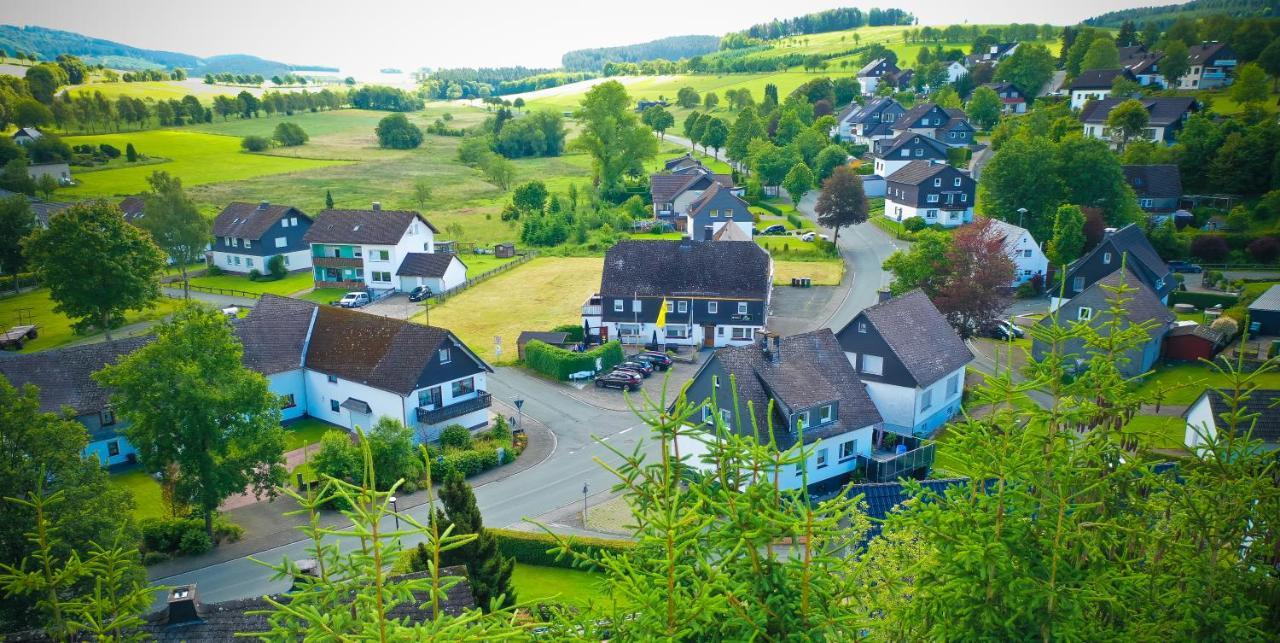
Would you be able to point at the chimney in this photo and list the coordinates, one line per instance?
(308, 569)
(883, 295)
(377, 206)
(264, 205)
(707, 233)
(1108, 232)
(183, 606)
(777, 348)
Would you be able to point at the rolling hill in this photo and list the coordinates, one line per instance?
(1167, 14)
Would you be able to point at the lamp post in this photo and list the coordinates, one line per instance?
(584, 505)
(1021, 213)
(395, 511)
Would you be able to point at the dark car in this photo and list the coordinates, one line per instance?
(420, 293)
(1184, 266)
(643, 368)
(1004, 331)
(620, 380)
(775, 229)
(657, 360)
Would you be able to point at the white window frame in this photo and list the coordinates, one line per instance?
(741, 333)
(713, 307)
(682, 306)
(282, 242)
(932, 198)
(1077, 284)
(827, 413)
(821, 459)
(446, 355)
(953, 385)
(1106, 257)
(1084, 313)
(670, 306)
(618, 305)
(848, 450)
(926, 399)
(742, 308)
(867, 364)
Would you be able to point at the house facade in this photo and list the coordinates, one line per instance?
(1144, 65)
(247, 236)
(870, 75)
(60, 172)
(673, 192)
(1092, 306)
(931, 190)
(1095, 84)
(1167, 116)
(948, 126)
(891, 155)
(1012, 100)
(361, 249)
(1028, 259)
(26, 135)
(866, 124)
(438, 271)
(1205, 424)
(1264, 313)
(910, 360)
(1210, 65)
(715, 209)
(1157, 187)
(716, 293)
(804, 390)
(1127, 245)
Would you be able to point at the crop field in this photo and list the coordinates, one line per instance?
(195, 157)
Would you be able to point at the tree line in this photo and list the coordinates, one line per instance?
(830, 20)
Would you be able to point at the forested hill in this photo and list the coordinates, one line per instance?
(673, 48)
(829, 20)
(1167, 14)
(49, 43)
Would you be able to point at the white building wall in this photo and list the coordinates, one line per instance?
(431, 432)
(1200, 425)
(897, 404)
(1027, 267)
(683, 200)
(868, 84)
(290, 383)
(1081, 96)
(788, 478)
(954, 71)
(940, 398)
(948, 218)
(100, 450)
(321, 392)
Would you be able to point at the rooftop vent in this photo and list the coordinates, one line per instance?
(264, 205)
(377, 206)
(183, 606)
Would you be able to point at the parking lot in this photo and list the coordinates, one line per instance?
(614, 399)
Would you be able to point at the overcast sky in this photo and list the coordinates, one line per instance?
(448, 33)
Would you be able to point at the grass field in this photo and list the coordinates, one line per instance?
(533, 582)
(823, 273)
(55, 328)
(1185, 382)
(195, 157)
(147, 502)
(1159, 431)
(306, 430)
(539, 295)
(479, 264)
(324, 295)
(292, 283)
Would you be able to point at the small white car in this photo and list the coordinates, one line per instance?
(810, 236)
(354, 300)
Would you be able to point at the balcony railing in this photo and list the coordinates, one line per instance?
(885, 466)
(481, 401)
(337, 262)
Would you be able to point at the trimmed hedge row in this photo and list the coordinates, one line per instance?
(767, 207)
(1202, 299)
(531, 548)
(560, 363)
(469, 462)
(574, 331)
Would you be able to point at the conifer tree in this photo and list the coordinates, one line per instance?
(487, 569)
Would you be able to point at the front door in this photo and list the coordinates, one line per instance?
(709, 336)
(604, 334)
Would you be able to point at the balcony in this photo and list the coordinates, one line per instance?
(481, 401)
(890, 463)
(337, 262)
(592, 307)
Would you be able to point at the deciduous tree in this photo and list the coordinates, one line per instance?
(421, 191)
(798, 182)
(16, 222)
(175, 224)
(1067, 243)
(984, 107)
(922, 266)
(611, 134)
(714, 135)
(975, 286)
(1028, 68)
(1250, 86)
(843, 201)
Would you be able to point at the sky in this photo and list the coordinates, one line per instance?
(448, 33)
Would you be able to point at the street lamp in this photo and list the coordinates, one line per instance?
(395, 511)
(1021, 213)
(584, 505)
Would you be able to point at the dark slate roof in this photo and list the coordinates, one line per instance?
(709, 194)
(917, 172)
(883, 497)
(250, 220)
(869, 67)
(378, 227)
(1141, 257)
(1269, 301)
(1154, 181)
(680, 162)
(45, 209)
(867, 112)
(389, 354)
(357, 406)
(426, 264)
(1004, 86)
(1099, 78)
(906, 137)
(274, 333)
(810, 370)
(65, 375)
(1164, 110)
(1263, 402)
(665, 187)
(132, 207)
(28, 131)
(686, 267)
(915, 113)
(1203, 54)
(919, 336)
(1144, 305)
(222, 621)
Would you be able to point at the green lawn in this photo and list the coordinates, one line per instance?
(305, 431)
(292, 283)
(1191, 380)
(324, 295)
(480, 264)
(146, 493)
(55, 328)
(537, 583)
(1159, 431)
(195, 157)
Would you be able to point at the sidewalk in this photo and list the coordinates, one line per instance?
(266, 526)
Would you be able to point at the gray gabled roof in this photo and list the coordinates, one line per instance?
(251, 220)
(867, 112)
(907, 137)
(377, 227)
(426, 264)
(65, 375)
(1100, 78)
(686, 267)
(274, 334)
(1143, 305)
(1140, 256)
(919, 172)
(1262, 403)
(1163, 110)
(919, 336)
(1269, 301)
(1154, 181)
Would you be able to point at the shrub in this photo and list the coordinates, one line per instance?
(457, 436)
(1210, 247)
(213, 271)
(574, 331)
(110, 151)
(500, 431)
(559, 363)
(194, 542)
(290, 134)
(225, 531)
(396, 132)
(533, 548)
(1026, 290)
(254, 143)
(130, 154)
(1226, 326)
(154, 558)
(1265, 250)
(1202, 299)
(255, 274)
(914, 224)
(276, 267)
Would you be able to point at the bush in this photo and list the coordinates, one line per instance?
(457, 436)
(1026, 290)
(213, 271)
(254, 143)
(1226, 326)
(396, 132)
(559, 363)
(1210, 247)
(533, 548)
(110, 151)
(154, 558)
(500, 431)
(255, 274)
(166, 537)
(1265, 249)
(1202, 299)
(194, 542)
(290, 134)
(574, 331)
(914, 224)
(130, 153)
(276, 267)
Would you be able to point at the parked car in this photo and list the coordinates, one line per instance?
(810, 236)
(658, 360)
(641, 367)
(1004, 330)
(775, 230)
(354, 300)
(620, 380)
(1185, 266)
(420, 293)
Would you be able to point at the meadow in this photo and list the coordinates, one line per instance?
(55, 328)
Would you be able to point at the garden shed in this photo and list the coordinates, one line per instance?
(1264, 313)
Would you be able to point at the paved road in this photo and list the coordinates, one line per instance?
(555, 483)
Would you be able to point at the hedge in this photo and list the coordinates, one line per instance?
(1202, 299)
(574, 331)
(768, 207)
(559, 363)
(533, 548)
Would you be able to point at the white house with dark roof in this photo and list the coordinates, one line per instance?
(717, 208)
(1210, 65)
(1144, 65)
(931, 190)
(948, 126)
(803, 390)
(1167, 116)
(1028, 258)
(1205, 422)
(26, 135)
(1095, 84)
(866, 124)
(246, 236)
(891, 155)
(438, 271)
(911, 361)
(716, 293)
(361, 249)
(675, 191)
(1012, 100)
(870, 75)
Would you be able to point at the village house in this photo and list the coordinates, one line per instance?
(871, 73)
(1092, 306)
(1127, 245)
(1205, 422)
(60, 172)
(866, 124)
(992, 55)
(1157, 187)
(911, 361)
(26, 135)
(714, 210)
(1012, 100)
(674, 190)
(1167, 115)
(133, 207)
(439, 271)
(361, 249)
(948, 126)
(891, 155)
(1095, 84)
(931, 190)
(1144, 65)
(1028, 259)
(246, 236)
(716, 293)
(1211, 66)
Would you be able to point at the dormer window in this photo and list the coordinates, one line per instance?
(800, 420)
(862, 327)
(1085, 313)
(617, 305)
(956, 182)
(445, 356)
(1106, 257)
(827, 414)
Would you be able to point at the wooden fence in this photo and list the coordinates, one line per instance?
(440, 298)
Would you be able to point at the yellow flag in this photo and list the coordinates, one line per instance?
(662, 314)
